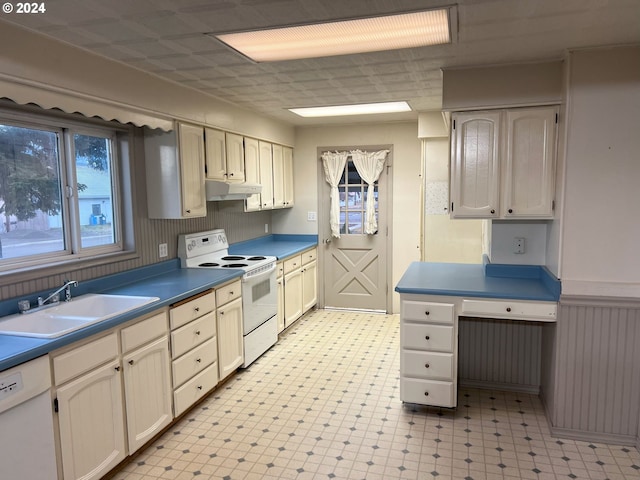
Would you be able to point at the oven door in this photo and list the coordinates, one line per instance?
(259, 298)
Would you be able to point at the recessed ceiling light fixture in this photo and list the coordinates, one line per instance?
(360, 109)
(373, 34)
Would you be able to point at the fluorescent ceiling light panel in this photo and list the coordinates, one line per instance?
(373, 34)
(361, 109)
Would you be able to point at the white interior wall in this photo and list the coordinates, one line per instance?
(503, 235)
(406, 184)
(602, 199)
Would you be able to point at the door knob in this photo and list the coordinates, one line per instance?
(327, 240)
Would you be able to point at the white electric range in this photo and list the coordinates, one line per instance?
(259, 291)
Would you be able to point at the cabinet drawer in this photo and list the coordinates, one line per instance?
(192, 309)
(418, 336)
(194, 361)
(195, 389)
(228, 292)
(143, 332)
(428, 312)
(309, 256)
(84, 358)
(427, 392)
(516, 310)
(426, 365)
(193, 334)
(293, 263)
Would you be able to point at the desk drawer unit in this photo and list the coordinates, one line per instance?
(428, 340)
(513, 310)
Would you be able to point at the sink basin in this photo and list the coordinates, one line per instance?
(67, 317)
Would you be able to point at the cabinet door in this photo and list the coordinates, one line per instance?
(309, 286)
(266, 175)
(288, 176)
(216, 154)
(230, 351)
(235, 157)
(280, 314)
(191, 147)
(292, 297)
(91, 421)
(147, 392)
(474, 164)
(529, 162)
(252, 172)
(278, 177)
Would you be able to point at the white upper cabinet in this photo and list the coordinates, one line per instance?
(474, 164)
(288, 176)
(278, 176)
(529, 166)
(266, 174)
(174, 164)
(225, 156)
(252, 172)
(503, 163)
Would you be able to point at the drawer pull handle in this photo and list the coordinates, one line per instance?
(130, 362)
(508, 309)
(426, 394)
(426, 365)
(231, 292)
(117, 369)
(426, 337)
(197, 332)
(199, 387)
(198, 360)
(427, 312)
(197, 309)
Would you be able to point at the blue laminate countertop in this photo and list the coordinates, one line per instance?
(169, 283)
(280, 246)
(471, 280)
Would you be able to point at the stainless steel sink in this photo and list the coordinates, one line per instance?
(67, 317)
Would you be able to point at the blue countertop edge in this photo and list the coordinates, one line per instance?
(165, 280)
(278, 245)
(515, 282)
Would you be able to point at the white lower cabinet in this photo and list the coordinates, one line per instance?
(300, 286)
(229, 329)
(428, 341)
(90, 409)
(309, 285)
(280, 286)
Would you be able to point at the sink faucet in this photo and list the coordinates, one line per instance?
(67, 293)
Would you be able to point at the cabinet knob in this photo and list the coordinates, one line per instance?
(130, 362)
(231, 293)
(508, 309)
(198, 360)
(197, 332)
(426, 365)
(231, 174)
(510, 210)
(188, 211)
(221, 312)
(426, 337)
(493, 211)
(197, 309)
(117, 369)
(426, 394)
(199, 387)
(427, 312)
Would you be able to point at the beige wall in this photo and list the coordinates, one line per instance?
(601, 224)
(406, 184)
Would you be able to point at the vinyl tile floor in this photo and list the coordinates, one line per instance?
(324, 403)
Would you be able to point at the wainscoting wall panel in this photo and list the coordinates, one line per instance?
(594, 384)
(500, 354)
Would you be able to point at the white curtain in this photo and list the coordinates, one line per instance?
(333, 163)
(369, 166)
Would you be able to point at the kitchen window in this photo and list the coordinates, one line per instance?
(60, 197)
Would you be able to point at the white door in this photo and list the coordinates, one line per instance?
(278, 176)
(355, 273)
(309, 286)
(266, 175)
(230, 351)
(147, 387)
(192, 170)
(92, 439)
(235, 157)
(216, 154)
(252, 172)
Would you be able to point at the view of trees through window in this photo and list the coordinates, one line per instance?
(39, 215)
(353, 197)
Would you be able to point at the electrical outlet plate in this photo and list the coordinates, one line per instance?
(518, 245)
(311, 216)
(163, 250)
(266, 228)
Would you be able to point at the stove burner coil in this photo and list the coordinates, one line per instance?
(209, 264)
(254, 259)
(234, 265)
(232, 257)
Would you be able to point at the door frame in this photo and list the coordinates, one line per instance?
(324, 231)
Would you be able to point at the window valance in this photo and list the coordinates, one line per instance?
(25, 92)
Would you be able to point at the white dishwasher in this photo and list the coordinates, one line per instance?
(27, 449)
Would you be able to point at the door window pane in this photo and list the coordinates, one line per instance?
(95, 190)
(31, 221)
(353, 192)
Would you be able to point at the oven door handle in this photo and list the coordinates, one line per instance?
(258, 276)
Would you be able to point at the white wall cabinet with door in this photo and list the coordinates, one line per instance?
(287, 153)
(224, 156)
(252, 173)
(193, 349)
(282, 177)
(265, 156)
(503, 163)
(174, 165)
(229, 328)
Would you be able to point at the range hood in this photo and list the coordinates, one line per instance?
(217, 191)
